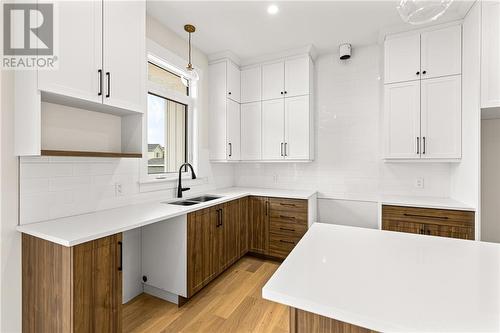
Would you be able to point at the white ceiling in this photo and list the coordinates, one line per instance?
(246, 29)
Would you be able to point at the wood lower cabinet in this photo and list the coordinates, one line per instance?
(244, 226)
(231, 229)
(201, 230)
(428, 221)
(259, 225)
(288, 224)
(72, 289)
(304, 322)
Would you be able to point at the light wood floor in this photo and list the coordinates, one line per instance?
(230, 303)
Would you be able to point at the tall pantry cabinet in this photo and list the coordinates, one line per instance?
(422, 94)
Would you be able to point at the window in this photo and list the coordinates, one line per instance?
(167, 120)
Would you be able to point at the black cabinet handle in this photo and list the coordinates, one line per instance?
(286, 92)
(267, 208)
(427, 216)
(229, 93)
(287, 229)
(282, 93)
(108, 79)
(287, 217)
(281, 149)
(423, 145)
(230, 149)
(287, 242)
(120, 245)
(421, 231)
(286, 145)
(424, 72)
(99, 74)
(418, 145)
(221, 218)
(418, 73)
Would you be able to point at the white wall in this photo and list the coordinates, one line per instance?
(465, 175)
(490, 185)
(10, 242)
(348, 161)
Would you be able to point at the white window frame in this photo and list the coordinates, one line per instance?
(164, 58)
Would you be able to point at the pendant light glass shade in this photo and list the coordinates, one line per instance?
(422, 11)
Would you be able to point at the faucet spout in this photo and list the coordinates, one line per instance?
(181, 189)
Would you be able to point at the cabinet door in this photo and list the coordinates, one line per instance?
(200, 232)
(403, 226)
(251, 85)
(449, 231)
(80, 52)
(297, 128)
(297, 77)
(231, 223)
(490, 55)
(233, 130)
(97, 286)
(259, 224)
(441, 52)
(402, 58)
(217, 104)
(441, 117)
(244, 221)
(273, 121)
(125, 54)
(251, 131)
(273, 80)
(402, 120)
(233, 82)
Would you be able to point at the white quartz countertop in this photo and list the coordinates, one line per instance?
(74, 230)
(392, 282)
(425, 202)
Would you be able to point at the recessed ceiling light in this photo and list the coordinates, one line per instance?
(272, 9)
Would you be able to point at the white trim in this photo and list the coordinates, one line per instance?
(164, 58)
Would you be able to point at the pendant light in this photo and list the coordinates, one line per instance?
(422, 11)
(189, 28)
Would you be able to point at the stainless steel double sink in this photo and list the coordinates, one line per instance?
(194, 201)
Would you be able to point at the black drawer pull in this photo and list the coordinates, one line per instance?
(120, 244)
(287, 229)
(287, 242)
(287, 204)
(287, 217)
(427, 216)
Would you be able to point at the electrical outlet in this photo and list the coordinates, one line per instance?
(118, 189)
(419, 182)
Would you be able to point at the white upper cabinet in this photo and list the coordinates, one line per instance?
(273, 129)
(274, 120)
(402, 58)
(251, 85)
(273, 80)
(441, 52)
(441, 118)
(423, 55)
(80, 52)
(297, 77)
(233, 82)
(490, 55)
(217, 105)
(251, 131)
(233, 130)
(124, 54)
(297, 128)
(402, 120)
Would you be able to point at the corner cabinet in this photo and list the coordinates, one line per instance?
(72, 289)
(274, 122)
(224, 111)
(98, 72)
(423, 95)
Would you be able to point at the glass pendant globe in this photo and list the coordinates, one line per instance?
(422, 11)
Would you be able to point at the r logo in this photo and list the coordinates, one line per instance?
(28, 29)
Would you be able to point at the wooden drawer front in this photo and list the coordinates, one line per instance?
(280, 246)
(428, 221)
(428, 215)
(280, 227)
(291, 206)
